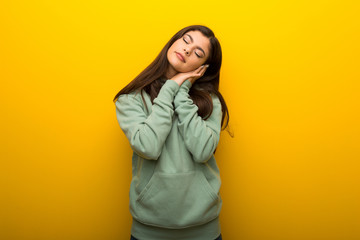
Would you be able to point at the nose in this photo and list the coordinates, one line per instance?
(187, 52)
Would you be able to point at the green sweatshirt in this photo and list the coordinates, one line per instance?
(174, 192)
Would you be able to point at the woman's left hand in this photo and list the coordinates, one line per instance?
(192, 76)
(200, 72)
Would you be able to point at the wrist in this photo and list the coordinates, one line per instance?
(178, 81)
(188, 83)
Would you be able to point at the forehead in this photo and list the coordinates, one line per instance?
(200, 40)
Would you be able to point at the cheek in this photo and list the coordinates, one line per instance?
(196, 62)
(184, 68)
(191, 65)
(189, 68)
(176, 45)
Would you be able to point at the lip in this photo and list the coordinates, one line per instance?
(180, 56)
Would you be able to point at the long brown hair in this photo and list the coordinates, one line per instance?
(149, 79)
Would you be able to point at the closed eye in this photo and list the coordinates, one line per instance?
(188, 43)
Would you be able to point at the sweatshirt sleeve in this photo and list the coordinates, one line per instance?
(201, 136)
(147, 134)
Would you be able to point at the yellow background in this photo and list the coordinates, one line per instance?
(290, 76)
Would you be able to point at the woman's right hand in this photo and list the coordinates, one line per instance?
(192, 75)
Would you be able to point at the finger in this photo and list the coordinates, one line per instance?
(199, 69)
(205, 67)
(202, 71)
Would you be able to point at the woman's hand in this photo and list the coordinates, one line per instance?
(192, 75)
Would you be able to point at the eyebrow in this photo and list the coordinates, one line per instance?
(192, 40)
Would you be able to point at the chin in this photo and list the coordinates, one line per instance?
(180, 66)
(181, 70)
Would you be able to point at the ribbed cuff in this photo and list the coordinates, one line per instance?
(172, 84)
(186, 84)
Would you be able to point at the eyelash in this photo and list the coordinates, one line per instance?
(195, 52)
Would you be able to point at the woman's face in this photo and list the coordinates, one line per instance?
(189, 52)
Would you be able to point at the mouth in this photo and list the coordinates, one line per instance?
(180, 56)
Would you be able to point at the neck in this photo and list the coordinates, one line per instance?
(170, 72)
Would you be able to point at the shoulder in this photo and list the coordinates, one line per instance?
(214, 97)
(133, 100)
(133, 96)
(216, 103)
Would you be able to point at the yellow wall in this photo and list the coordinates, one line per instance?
(290, 76)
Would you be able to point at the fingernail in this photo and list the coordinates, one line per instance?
(202, 66)
(207, 65)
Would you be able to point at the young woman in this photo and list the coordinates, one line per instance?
(172, 114)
